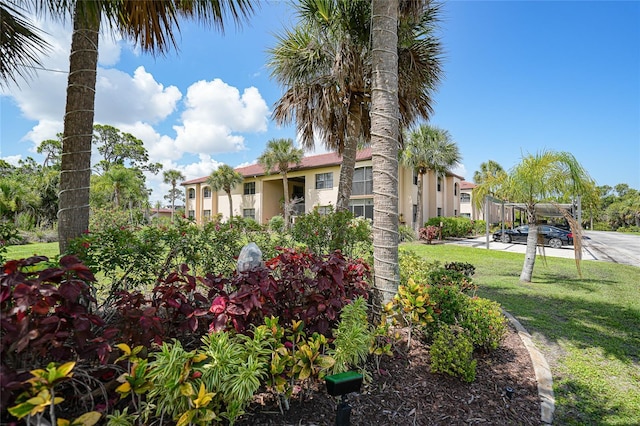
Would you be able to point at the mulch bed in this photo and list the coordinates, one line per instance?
(405, 392)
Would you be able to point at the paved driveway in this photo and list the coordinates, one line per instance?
(482, 242)
(605, 246)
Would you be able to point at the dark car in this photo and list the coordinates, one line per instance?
(553, 237)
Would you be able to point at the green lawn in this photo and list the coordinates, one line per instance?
(588, 328)
(27, 250)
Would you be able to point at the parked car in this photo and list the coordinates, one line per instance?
(553, 237)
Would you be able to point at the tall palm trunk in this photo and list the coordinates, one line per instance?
(420, 210)
(384, 141)
(286, 207)
(75, 171)
(532, 244)
(345, 185)
(230, 204)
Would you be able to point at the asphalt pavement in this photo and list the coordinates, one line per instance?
(484, 243)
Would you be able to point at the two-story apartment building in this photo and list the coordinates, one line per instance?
(315, 184)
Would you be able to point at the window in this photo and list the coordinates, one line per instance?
(323, 210)
(206, 192)
(250, 213)
(415, 178)
(207, 214)
(192, 193)
(362, 181)
(362, 208)
(439, 184)
(192, 214)
(465, 197)
(415, 213)
(466, 215)
(455, 189)
(249, 188)
(324, 180)
(439, 211)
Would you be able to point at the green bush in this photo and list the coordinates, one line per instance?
(453, 227)
(443, 277)
(448, 303)
(336, 230)
(407, 234)
(484, 321)
(414, 266)
(452, 353)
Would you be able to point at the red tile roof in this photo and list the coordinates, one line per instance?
(311, 162)
(467, 185)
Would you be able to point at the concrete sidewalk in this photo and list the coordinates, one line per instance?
(481, 242)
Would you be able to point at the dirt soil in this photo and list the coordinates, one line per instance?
(405, 392)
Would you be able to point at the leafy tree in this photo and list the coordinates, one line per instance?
(172, 177)
(151, 26)
(118, 148)
(429, 148)
(281, 154)
(225, 178)
(324, 65)
(52, 148)
(384, 141)
(120, 186)
(543, 177)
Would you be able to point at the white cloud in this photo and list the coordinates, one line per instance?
(12, 159)
(460, 170)
(215, 113)
(121, 98)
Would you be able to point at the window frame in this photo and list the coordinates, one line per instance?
(249, 188)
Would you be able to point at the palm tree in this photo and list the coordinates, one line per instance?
(543, 177)
(429, 148)
(21, 43)
(225, 178)
(487, 169)
(324, 64)
(151, 25)
(384, 142)
(172, 177)
(281, 154)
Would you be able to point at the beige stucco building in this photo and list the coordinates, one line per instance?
(497, 211)
(315, 184)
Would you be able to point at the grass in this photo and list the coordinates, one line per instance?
(27, 250)
(588, 328)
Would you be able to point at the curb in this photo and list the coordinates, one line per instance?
(542, 371)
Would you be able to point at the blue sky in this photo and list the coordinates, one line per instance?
(520, 77)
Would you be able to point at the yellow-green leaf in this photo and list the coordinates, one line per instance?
(124, 388)
(124, 348)
(87, 419)
(65, 369)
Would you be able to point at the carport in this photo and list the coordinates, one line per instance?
(551, 210)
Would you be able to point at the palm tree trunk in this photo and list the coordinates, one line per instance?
(384, 141)
(532, 244)
(230, 205)
(346, 173)
(285, 184)
(420, 210)
(75, 171)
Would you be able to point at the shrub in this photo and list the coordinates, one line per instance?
(428, 233)
(466, 268)
(353, 337)
(452, 353)
(414, 266)
(453, 278)
(484, 321)
(452, 227)
(8, 232)
(295, 285)
(336, 230)
(406, 234)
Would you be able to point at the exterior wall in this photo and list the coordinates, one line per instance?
(267, 200)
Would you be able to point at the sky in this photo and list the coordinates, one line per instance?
(519, 78)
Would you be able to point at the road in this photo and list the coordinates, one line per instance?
(615, 247)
